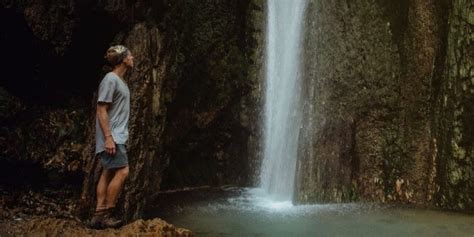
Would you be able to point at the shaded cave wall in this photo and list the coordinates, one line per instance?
(453, 112)
(46, 87)
(387, 98)
(213, 112)
(195, 90)
(203, 98)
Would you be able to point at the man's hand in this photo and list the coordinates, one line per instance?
(110, 145)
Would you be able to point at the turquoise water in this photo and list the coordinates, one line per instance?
(246, 212)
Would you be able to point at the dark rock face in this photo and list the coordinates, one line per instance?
(195, 91)
(188, 127)
(390, 89)
(211, 100)
(353, 76)
(49, 78)
(39, 145)
(51, 21)
(454, 112)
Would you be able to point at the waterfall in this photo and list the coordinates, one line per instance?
(282, 97)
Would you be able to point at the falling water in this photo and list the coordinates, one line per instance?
(282, 98)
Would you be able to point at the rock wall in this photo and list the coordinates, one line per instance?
(453, 112)
(195, 91)
(382, 103)
(214, 103)
(350, 67)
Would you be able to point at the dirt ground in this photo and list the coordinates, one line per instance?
(49, 213)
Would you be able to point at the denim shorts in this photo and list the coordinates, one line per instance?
(120, 159)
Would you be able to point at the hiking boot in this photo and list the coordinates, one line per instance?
(110, 221)
(97, 219)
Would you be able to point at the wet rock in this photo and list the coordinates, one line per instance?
(51, 140)
(9, 106)
(454, 103)
(396, 73)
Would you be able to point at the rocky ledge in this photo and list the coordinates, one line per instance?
(40, 226)
(50, 212)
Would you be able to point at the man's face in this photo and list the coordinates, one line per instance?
(129, 60)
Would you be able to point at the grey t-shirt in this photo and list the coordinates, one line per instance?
(114, 91)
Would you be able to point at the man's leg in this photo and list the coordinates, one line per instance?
(101, 191)
(116, 185)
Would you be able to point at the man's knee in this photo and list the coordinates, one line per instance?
(123, 172)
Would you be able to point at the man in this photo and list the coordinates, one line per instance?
(113, 111)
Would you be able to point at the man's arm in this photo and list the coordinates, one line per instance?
(103, 118)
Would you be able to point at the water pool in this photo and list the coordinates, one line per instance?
(247, 212)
